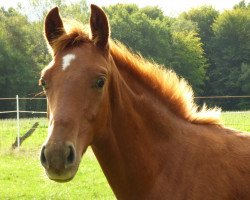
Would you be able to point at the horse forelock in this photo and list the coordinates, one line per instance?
(74, 36)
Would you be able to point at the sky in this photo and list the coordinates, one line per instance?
(170, 7)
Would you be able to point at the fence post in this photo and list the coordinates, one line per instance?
(18, 124)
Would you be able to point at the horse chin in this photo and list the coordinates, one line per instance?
(62, 180)
(62, 176)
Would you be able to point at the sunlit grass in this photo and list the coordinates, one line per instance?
(237, 120)
(22, 177)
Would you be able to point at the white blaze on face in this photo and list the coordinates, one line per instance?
(67, 60)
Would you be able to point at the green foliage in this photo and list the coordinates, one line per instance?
(153, 12)
(184, 25)
(188, 58)
(161, 39)
(143, 30)
(231, 48)
(226, 41)
(245, 78)
(37, 9)
(20, 52)
(242, 5)
(77, 11)
(23, 51)
(203, 17)
(16, 60)
(210, 49)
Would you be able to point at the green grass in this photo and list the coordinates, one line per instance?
(237, 120)
(22, 177)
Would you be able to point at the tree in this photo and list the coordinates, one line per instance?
(15, 46)
(244, 81)
(188, 59)
(203, 17)
(231, 47)
(181, 24)
(36, 10)
(142, 30)
(23, 51)
(17, 66)
(152, 34)
(230, 52)
(242, 5)
(245, 78)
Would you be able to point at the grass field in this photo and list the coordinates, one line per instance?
(22, 177)
(237, 120)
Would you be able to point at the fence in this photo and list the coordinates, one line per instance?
(18, 111)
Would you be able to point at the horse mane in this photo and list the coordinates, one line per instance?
(75, 35)
(175, 91)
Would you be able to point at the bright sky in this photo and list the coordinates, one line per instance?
(174, 7)
(170, 7)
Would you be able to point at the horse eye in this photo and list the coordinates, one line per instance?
(100, 83)
(43, 83)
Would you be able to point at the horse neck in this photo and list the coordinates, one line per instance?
(139, 134)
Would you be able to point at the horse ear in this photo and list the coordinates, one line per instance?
(53, 26)
(99, 27)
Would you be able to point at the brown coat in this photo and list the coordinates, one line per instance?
(139, 119)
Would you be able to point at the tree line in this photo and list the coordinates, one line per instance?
(211, 50)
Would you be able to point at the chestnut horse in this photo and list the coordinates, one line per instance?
(140, 120)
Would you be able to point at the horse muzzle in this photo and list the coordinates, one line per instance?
(59, 160)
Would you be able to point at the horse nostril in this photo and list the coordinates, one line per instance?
(43, 158)
(70, 156)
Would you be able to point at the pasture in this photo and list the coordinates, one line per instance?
(22, 176)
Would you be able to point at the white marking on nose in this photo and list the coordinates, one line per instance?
(67, 60)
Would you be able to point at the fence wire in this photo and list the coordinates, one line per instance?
(30, 107)
(236, 119)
